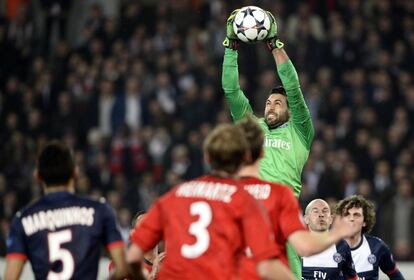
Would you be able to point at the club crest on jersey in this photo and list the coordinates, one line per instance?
(337, 257)
(372, 259)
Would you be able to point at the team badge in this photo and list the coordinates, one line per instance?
(372, 259)
(337, 257)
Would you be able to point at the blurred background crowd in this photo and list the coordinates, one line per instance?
(134, 87)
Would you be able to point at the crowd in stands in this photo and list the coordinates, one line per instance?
(135, 95)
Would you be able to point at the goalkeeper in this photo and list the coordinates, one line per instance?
(287, 123)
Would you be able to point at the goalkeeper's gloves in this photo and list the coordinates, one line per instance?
(231, 41)
(272, 41)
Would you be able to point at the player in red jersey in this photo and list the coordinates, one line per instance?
(282, 207)
(208, 221)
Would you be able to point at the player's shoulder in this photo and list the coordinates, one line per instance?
(29, 208)
(374, 239)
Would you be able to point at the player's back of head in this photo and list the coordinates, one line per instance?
(55, 164)
(254, 136)
(225, 148)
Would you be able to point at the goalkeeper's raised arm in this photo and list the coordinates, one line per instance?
(238, 103)
(300, 115)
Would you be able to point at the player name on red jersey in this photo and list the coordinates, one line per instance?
(259, 191)
(208, 190)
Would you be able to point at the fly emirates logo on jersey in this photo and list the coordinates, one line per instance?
(277, 143)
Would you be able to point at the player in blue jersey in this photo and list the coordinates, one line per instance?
(368, 252)
(336, 261)
(61, 234)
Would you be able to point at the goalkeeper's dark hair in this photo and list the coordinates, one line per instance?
(279, 90)
(254, 136)
(358, 201)
(55, 164)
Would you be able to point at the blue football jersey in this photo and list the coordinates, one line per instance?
(372, 253)
(333, 263)
(61, 235)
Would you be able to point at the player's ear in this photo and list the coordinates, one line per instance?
(306, 219)
(207, 158)
(331, 217)
(247, 157)
(36, 175)
(75, 173)
(261, 155)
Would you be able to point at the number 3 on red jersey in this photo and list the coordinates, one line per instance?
(199, 230)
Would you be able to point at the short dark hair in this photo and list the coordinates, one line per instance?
(226, 147)
(358, 201)
(55, 164)
(254, 135)
(279, 90)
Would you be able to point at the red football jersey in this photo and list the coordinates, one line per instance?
(284, 213)
(206, 224)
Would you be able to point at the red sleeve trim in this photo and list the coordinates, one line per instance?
(353, 278)
(392, 271)
(19, 256)
(115, 244)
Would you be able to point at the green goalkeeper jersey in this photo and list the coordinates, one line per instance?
(287, 146)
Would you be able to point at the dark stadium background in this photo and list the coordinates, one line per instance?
(66, 68)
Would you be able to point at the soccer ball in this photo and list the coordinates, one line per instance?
(251, 24)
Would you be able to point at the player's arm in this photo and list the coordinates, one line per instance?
(114, 243)
(301, 117)
(238, 102)
(120, 270)
(273, 269)
(388, 265)
(260, 240)
(14, 267)
(308, 243)
(16, 250)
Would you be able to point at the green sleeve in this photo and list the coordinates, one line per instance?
(300, 114)
(238, 102)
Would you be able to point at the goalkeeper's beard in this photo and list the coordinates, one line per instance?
(277, 119)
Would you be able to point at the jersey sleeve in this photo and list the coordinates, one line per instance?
(238, 102)
(16, 247)
(257, 232)
(290, 214)
(149, 232)
(348, 267)
(112, 236)
(301, 117)
(388, 265)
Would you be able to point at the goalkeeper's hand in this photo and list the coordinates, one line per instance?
(271, 40)
(231, 41)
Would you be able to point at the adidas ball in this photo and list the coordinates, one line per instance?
(251, 24)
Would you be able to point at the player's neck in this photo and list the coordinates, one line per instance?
(59, 188)
(354, 241)
(222, 174)
(251, 170)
